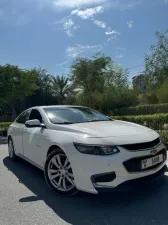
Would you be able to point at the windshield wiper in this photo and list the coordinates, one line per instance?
(63, 123)
(89, 121)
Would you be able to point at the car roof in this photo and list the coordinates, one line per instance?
(56, 106)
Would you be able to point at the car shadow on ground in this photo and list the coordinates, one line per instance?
(146, 205)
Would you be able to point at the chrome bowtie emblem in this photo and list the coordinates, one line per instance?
(153, 152)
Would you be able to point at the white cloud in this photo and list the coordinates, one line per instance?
(75, 3)
(111, 38)
(130, 24)
(114, 4)
(99, 23)
(67, 24)
(59, 21)
(72, 4)
(61, 64)
(70, 27)
(76, 50)
(111, 32)
(88, 13)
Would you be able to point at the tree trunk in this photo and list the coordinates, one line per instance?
(13, 112)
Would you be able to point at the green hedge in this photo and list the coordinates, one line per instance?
(4, 125)
(156, 121)
(142, 110)
(164, 137)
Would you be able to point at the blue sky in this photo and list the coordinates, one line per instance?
(52, 33)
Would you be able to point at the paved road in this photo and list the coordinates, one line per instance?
(25, 199)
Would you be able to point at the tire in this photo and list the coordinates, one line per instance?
(58, 174)
(11, 150)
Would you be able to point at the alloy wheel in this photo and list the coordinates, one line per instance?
(60, 173)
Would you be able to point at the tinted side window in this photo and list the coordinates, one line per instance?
(35, 114)
(23, 117)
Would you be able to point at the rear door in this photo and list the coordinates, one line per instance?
(17, 131)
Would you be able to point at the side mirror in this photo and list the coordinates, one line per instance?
(33, 123)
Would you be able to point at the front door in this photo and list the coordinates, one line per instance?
(35, 141)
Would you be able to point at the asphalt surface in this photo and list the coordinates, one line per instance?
(26, 199)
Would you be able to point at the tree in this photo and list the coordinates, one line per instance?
(117, 76)
(162, 92)
(44, 94)
(102, 84)
(15, 84)
(157, 61)
(88, 76)
(117, 92)
(62, 89)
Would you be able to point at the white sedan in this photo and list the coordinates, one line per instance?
(81, 149)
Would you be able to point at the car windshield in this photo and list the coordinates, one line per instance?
(71, 115)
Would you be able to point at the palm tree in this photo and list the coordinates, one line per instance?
(62, 89)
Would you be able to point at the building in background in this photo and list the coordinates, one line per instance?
(138, 81)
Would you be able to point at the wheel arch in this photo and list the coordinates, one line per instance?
(9, 137)
(52, 148)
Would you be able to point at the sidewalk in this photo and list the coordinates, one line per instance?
(3, 140)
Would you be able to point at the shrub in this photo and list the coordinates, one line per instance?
(160, 121)
(3, 128)
(162, 93)
(4, 125)
(142, 110)
(164, 137)
(156, 121)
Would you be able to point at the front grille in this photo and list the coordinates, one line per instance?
(134, 165)
(141, 146)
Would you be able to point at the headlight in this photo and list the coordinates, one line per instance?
(96, 149)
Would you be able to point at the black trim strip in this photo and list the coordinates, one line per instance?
(142, 146)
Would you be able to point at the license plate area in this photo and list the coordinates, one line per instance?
(146, 163)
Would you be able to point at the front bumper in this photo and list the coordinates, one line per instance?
(87, 168)
(137, 183)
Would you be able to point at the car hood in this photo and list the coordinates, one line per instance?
(113, 128)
